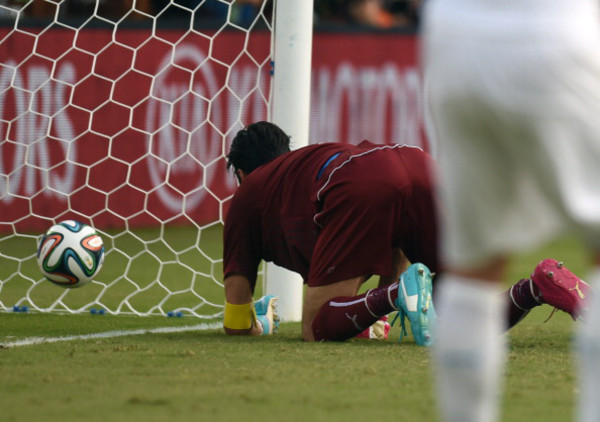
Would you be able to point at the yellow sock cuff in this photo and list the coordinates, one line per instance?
(239, 317)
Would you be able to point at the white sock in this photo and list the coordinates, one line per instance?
(469, 350)
(588, 347)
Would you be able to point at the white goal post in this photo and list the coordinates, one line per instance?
(291, 111)
(122, 120)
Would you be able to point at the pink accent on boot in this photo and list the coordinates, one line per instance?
(377, 331)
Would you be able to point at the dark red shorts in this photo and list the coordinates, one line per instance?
(369, 203)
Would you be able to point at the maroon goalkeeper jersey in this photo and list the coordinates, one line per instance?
(334, 211)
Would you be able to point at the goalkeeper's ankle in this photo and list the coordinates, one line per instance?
(381, 301)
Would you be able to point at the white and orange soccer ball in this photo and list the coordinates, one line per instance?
(70, 254)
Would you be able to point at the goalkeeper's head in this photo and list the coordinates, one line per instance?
(255, 145)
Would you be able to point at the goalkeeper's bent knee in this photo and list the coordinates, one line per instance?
(239, 317)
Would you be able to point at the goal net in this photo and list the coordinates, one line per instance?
(120, 117)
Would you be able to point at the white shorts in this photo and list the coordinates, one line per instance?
(514, 98)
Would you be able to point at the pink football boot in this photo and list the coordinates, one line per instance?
(561, 288)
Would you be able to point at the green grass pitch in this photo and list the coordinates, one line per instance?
(206, 376)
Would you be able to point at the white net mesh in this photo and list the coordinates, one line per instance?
(120, 117)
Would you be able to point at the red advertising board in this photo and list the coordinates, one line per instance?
(128, 129)
(366, 86)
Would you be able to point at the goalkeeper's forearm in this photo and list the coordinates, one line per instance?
(239, 314)
(240, 320)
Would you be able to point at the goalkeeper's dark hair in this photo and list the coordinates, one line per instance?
(255, 145)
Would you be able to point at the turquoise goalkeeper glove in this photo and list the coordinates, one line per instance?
(266, 314)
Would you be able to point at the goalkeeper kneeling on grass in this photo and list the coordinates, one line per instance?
(337, 214)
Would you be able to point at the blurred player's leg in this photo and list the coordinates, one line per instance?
(588, 346)
(470, 350)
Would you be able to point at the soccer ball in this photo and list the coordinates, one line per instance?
(70, 254)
